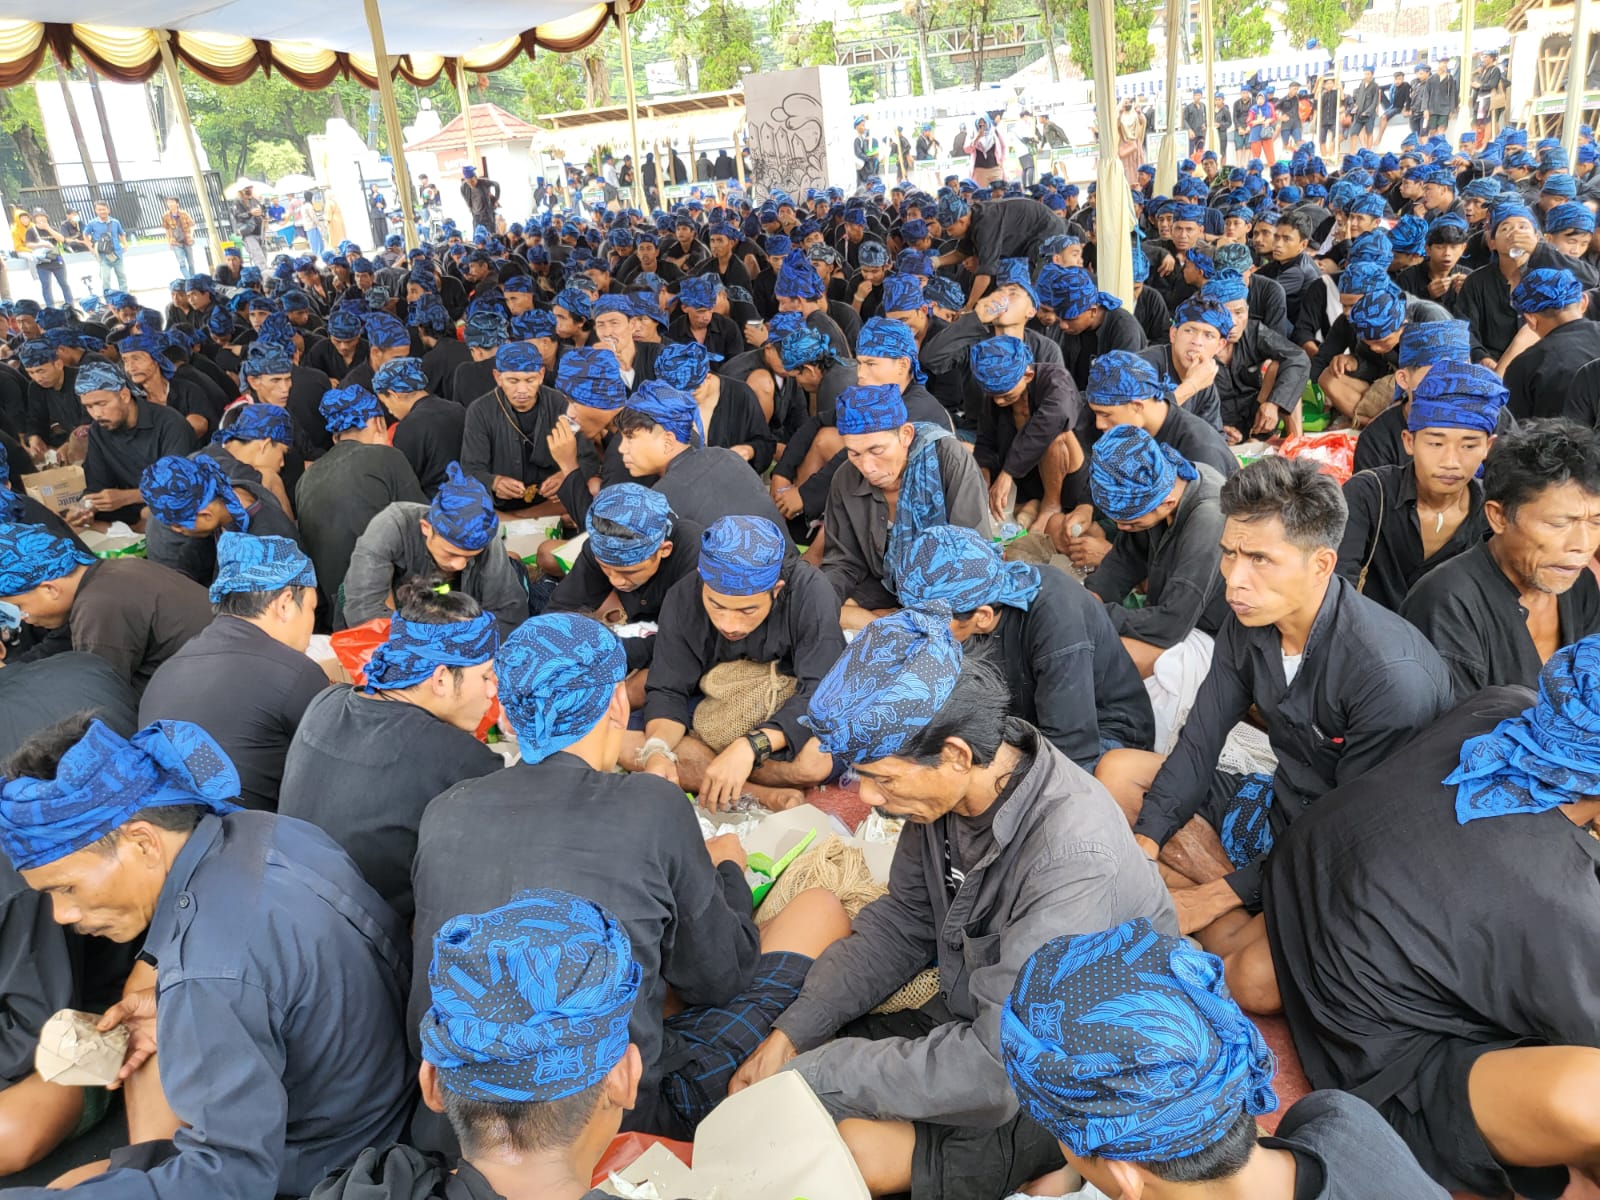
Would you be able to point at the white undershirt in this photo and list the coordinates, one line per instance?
(1291, 666)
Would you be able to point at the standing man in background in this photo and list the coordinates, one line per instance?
(249, 220)
(179, 227)
(106, 235)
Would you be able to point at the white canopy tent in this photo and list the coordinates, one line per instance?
(311, 43)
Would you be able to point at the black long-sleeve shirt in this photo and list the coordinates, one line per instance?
(1372, 896)
(706, 483)
(1238, 381)
(1343, 714)
(1179, 561)
(801, 634)
(430, 437)
(1383, 530)
(536, 825)
(1484, 300)
(1540, 378)
(245, 689)
(1474, 617)
(1069, 673)
(1194, 438)
(1294, 276)
(585, 588)
(1205, 403)
(1055, 407)
(497, 439)
(363, 770)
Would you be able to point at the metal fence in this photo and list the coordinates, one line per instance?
(137, 203)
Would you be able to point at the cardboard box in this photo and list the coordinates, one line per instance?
(771, 1140)
(58, 489)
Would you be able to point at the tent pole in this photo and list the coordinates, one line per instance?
(1577, 77)
(175, 86)
(466, 114)
(621, 9)
(77, 127)
(1113, 217)
(1167, 156)
(1208, 50)
(391, 121)
(1469, 21)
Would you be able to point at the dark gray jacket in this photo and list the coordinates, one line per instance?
(1063, 862)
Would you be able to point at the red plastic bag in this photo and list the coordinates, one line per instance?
(1333, 452)
(626, 1147)
(354, 646)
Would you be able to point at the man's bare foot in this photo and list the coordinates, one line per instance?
(775, 799)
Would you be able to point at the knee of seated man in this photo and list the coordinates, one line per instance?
(35, 1118)
(1573, 1093)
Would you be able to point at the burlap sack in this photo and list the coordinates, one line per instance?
(738, 696)
(1378, 396)
(842, 869)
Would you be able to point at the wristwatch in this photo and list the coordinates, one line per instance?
(760, 744)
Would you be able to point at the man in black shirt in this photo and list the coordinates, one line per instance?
(637, 550)
(1169, 528)
(657, 429)
(1129, 1135)
(1292, 266)
(1551, 303)
(1484, 300)
(52, 408)
(427, 428)
(343, 490)
(751, 600)
(1125, 389)
(192, 501)
(1499, 611)
(506, 439)
(245, 679)
(1068, 672)
(1260, 373)
(1330, 715)
(1094, 322)
(682, 900)
(1439, 986)
(365, 761)
(993, 231)
(1405, 519)
(127, 434)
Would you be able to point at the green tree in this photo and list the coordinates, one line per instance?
(274, 160)
(1134, 49)
(21, 124)
(1325, 20)
(1243, 31)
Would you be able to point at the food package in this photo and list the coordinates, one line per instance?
(73, 1053)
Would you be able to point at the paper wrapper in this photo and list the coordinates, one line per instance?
(73, 1053)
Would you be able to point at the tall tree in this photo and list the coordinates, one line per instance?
(1134, 49)
(1243, 31)
(20, 119)
(1323, 20)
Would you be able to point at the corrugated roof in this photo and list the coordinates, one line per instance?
(491, 125)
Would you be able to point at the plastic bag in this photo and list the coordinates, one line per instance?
(1334, 452)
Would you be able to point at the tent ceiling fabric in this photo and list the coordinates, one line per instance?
(226, 43)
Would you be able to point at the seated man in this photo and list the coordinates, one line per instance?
(1029, 421)
(1422, 346)
(570, 990)
(1141, 1113)
(428, 429)
(43, 967)
(591, 379)
(1260, 373)
(1007, 311)
(126, 435)
(505, 444)
(1067, 672)
(1375, 323)
(339, 495)
(262, 936)
(365, 761)
(1126, 389)
(455, 537)
(52, 409)
(132, 613)
(1440, 986)
(661, 439)
(751, 602)
(1092, 323)
(1199, 330)
(1498, 611)
(636, 552)
(923, 469)
(683, 900)
(1330, 714)
(192, 502)
(1169, 528)
(253, 447)
(990, 864)
(245, 679)
(1406, 519)
(1552, 303)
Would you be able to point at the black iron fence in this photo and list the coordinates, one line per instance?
(137, 203)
